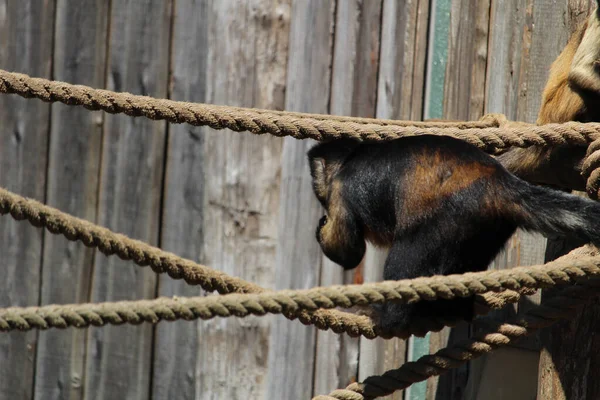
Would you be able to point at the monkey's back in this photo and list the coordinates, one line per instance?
(405, 182)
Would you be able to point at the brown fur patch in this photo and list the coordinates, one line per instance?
(324, 172)
(334, 232)
(378, 239)
(437, 176)
(560, 102)
(584, 67)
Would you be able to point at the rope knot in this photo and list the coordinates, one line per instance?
(591, 169)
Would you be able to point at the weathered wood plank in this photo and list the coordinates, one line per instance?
(528, 35)
(176, 345)
(292, 352)
(504, 374)
(463, 99)
(222, 192)
(353, 92)
(119, 357)
(73, 171)
(26, 46)
(566, 370)
(399, 95)
(402, 65)
(507, 63)
(464, 87)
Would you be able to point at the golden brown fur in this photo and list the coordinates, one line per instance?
(431, 184)
(572, 93)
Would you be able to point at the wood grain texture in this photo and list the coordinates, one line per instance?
(403, 54)
(73, 171)
(504, 374)
(176, 345)
(507, 89)
(119, 358)
(508, 62)
(25, 46)
(464, 87)
(292, 353)
(527, 38)
(222, 190)
(399, 95)
(353, 92)
(567, 368)
(463, 93)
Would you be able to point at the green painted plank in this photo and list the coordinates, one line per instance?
(434, 108)
(437, 58)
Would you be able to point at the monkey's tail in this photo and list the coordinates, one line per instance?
(552, 212)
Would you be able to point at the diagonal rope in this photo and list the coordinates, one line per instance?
(297, 125)
(562, 306)
(429, 288)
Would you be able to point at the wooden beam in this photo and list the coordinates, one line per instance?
(298, 255)
(80, 45)
(119, 357)
(26, 29)
(353, 92)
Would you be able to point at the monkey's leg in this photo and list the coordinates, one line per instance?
(409, 259)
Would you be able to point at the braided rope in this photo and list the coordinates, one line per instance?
(297, 125)
(142, 254)
(561, 306)
(185, 308)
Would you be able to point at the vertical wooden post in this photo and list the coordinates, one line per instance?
(177, 345)
(73, 171)
(507, 80)
(353, 92)
(298, 253)
(399, 95)
(26, 30)
(120, 357)
(456, 91)
(568, 366)
(222, 192)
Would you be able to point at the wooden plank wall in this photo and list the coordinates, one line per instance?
(237, 202)
(461, 93)
(73, 172)
(298, 258)
(26, 45)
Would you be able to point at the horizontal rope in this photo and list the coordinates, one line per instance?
(297, 125)
(176, 267)
(178, 308)
(561, 306)
(143, 254)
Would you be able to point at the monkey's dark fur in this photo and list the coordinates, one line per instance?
(440, 205)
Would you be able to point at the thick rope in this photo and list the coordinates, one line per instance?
(561, 306)
(160, 261)
(182, 308)
(297, 125)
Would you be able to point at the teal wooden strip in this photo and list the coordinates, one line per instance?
(437, 58)
(418, 347)
(434, 108)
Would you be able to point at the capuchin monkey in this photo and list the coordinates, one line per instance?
(442, 206)
(572, 93)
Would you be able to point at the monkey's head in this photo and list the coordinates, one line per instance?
(325, 160)
(338, 233)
